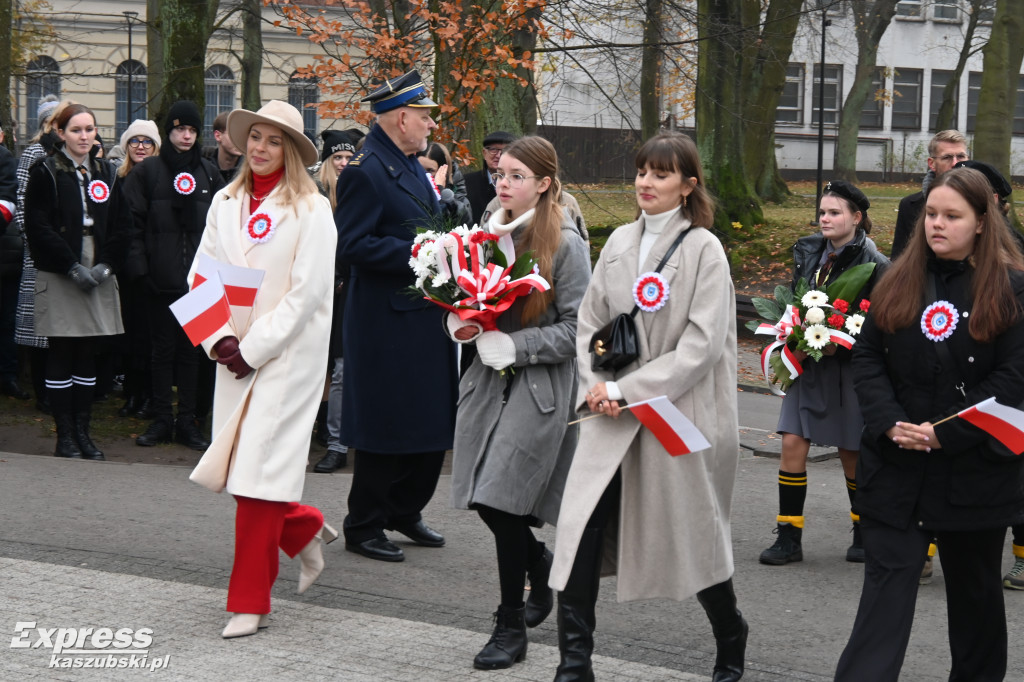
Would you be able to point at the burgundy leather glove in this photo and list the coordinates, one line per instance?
(229, 356)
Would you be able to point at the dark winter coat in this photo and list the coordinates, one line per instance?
(480, 192)
(900, 377)
(54, 215)
(807, 255)
(401, 376)
(162, 246)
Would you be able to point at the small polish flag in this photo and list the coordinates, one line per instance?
(203, 310)
(240, 284)
(670, 426)
(1005, 424)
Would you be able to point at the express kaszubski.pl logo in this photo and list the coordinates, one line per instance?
(126, 648)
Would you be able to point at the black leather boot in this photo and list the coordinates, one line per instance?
(787, 547)
(730, 629)
(541, 599)
(508, 642)
(85, 444)
(67, 446)
(576, 620)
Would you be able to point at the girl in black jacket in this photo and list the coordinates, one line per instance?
(821, 405)
(67, 200)
(946, 331)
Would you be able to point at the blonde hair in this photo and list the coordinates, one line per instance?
(329, 179)
(296, 183)
(129, 162)
(50, 125)
(544, 235)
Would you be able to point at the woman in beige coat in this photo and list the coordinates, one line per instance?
(271, 355)
(665, 519)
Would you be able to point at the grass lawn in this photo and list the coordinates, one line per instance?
(762, 256)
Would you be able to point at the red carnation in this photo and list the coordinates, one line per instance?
(864, 305)
(841, 305)
(415, 250)
(836, 321)
(482, 237)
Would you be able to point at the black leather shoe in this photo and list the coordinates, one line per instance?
(187, 433)
(10, 387)
(421, 534)
(159, 431)
(380, 549)
(332, 461)
(129, 407)
(145, 409)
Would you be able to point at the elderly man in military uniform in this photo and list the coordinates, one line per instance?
(401, 376)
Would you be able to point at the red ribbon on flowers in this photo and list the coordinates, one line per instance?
(781, 330)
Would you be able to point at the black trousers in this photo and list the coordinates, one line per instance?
(389, 490)
(174, 362)
(971, 565)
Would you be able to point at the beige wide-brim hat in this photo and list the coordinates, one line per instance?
(276, 113)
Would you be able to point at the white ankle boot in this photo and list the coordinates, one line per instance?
(243, 624)
(311, 557)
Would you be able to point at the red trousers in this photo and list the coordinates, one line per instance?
(261, 527)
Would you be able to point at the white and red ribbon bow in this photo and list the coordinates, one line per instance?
(782, 330)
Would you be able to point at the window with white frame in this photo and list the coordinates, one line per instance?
(42, 78)
(791, 102)
(909, 9)
(871, 116)
(833, 94)
(220, 96)
(303, 93)
(973, 90)
(906, 104)
(946, 10)
(939, 81)
(123, 117)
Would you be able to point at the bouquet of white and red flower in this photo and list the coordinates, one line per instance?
(809, 320)
(473, 273)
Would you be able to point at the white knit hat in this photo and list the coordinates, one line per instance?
(144, 128)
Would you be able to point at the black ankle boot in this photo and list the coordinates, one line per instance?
(576, 619)
(85, 444)
(787, 547)
(508, 643)
(67, 446)
(541, 599)
(729, 628)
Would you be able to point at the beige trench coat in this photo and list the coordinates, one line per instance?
(262, 423)
(673, 532)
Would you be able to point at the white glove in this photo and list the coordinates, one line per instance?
(453, 323)
(496, 349)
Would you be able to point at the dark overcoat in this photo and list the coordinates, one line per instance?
(900, 377)
(401, 376)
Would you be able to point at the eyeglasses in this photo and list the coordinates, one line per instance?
(140, 142)
(515, 180)
(494, 151)
(946, 158)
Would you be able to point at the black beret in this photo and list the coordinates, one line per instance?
(999, 184)
(499, 137)
(850, 193)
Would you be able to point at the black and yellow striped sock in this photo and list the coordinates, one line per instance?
(792, 493)
(851, 489)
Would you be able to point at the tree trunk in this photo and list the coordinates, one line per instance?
(999, 78)
(871, 21)
(764, 87)
(186, 25)
(944, 119)
(650, 71)
(720, 71)
(6, 37)
(252, 54)
(154, 59)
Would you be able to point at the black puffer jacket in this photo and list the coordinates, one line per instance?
(163, 246)
(53, 214)
(807, 254)
(900, 377)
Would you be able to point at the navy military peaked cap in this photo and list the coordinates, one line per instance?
(406, 90)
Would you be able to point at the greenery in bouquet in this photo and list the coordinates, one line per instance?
(810, 320)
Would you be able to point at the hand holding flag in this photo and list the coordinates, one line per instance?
(674, 431)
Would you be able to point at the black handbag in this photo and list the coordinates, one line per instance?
(615, 345)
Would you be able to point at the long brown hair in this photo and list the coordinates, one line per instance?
(898, 295)
(295, 184)
(545, 232)
(670, 152)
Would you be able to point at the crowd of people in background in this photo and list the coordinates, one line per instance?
(96, 249)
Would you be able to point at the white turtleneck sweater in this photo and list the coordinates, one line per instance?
(654, 225)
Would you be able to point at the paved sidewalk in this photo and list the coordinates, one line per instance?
(303, 642)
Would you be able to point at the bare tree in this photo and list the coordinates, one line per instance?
(1000, 76)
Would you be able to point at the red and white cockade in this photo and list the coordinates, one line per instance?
(260, 228)
(938, 320)
(650, 291)
(99, 191)
(184, 183)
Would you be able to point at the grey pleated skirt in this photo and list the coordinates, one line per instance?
(62, 309)
(822, 405)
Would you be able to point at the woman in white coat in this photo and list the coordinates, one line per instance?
(271, 355)
(668, 516)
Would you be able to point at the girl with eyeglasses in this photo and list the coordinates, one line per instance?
(513, 445)
(140, 140)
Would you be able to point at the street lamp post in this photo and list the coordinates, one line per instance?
(131, 18)
(825, 23)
